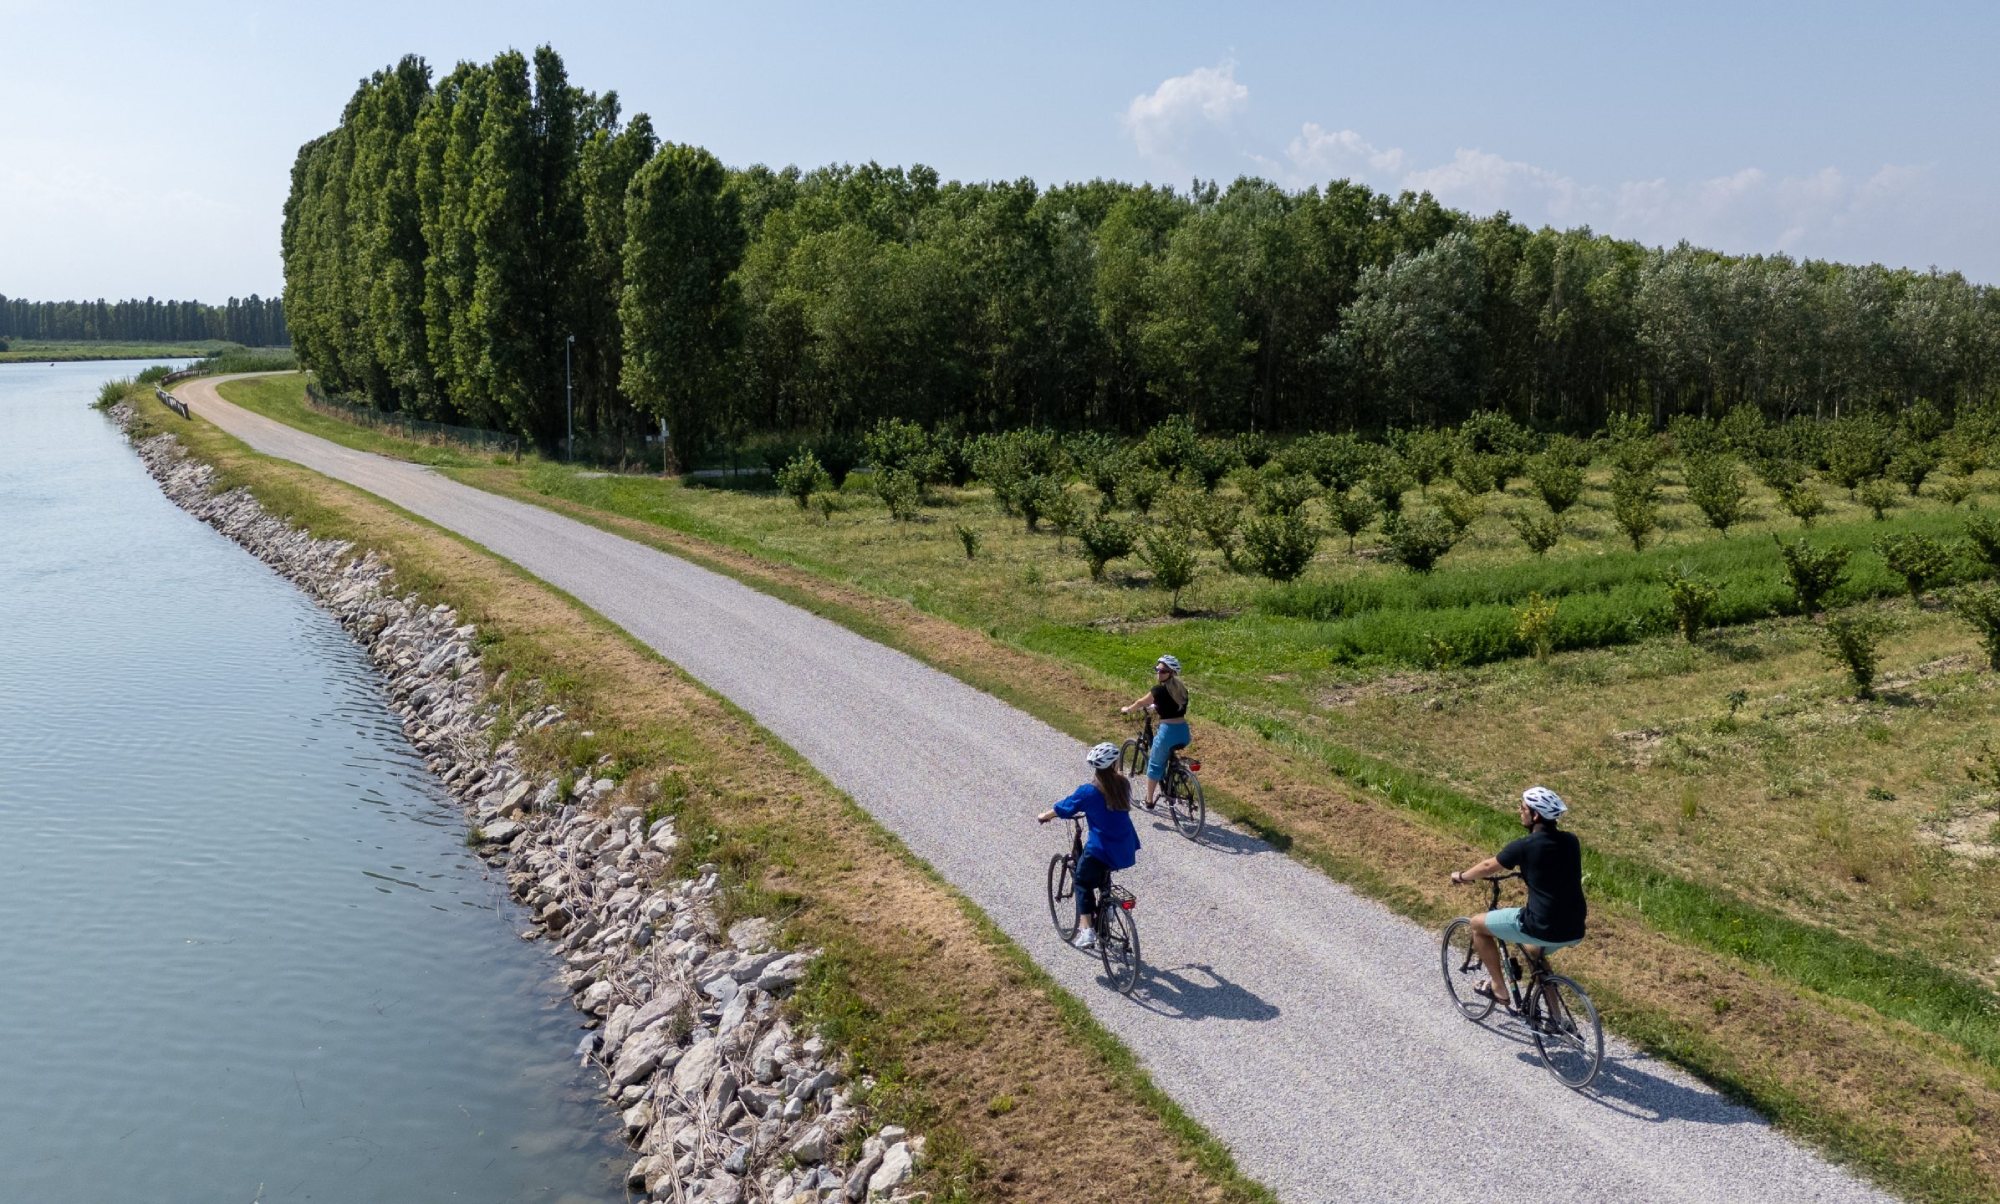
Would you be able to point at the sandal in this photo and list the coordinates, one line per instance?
(1485, 991)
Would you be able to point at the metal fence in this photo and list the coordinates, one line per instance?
(170, 401)
(468, 437)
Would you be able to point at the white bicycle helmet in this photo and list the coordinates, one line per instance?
(1544, 802)
(1169, 662)
(1104, 756)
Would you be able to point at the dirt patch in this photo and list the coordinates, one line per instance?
(1969, 836)
(1393, 685)
(1641, 746)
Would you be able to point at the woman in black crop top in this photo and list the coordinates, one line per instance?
(1169, 700)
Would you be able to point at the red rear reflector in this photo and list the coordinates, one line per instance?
(1195, 765)
(1127, 903)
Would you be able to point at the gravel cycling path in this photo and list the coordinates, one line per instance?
(1304, 1025)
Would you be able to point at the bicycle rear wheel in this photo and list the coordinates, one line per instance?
(1132, 759)
(1463, 970)
(1567, 1031)
(1118, 946)
(1062, 897)
(1185, 803)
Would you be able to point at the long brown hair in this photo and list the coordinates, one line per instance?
(1177, 691)
(1116, 787)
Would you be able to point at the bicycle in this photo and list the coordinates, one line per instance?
(1181, 787)
(1559, 1014)
(1117, 927)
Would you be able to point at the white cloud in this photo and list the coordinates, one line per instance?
(1163, 121)
(1822, 213)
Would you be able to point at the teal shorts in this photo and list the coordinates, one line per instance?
(1505, 923)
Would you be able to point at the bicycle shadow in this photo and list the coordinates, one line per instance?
(1214, 836)
(1625, 1087)
(1201, 994)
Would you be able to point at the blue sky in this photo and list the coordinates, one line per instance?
(144, 148)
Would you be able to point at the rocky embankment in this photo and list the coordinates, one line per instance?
(721, 1099)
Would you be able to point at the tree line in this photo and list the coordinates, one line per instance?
(253, 321)
(446, 242)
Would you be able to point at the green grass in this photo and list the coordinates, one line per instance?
(282, 398)
(57, 351)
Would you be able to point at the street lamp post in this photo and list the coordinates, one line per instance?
(569, 412)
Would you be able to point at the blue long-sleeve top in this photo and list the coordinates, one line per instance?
(1112, 840)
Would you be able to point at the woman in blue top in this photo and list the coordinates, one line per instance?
(1113, 844)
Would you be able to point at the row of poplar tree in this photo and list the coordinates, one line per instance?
(253, 321)
(445, 243)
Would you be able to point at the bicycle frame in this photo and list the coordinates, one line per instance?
(1173, 755)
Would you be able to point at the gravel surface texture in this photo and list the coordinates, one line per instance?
(1304, 1025)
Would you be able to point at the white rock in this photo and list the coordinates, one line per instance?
(895, 1168)
(810, 1148)
(501, 832)
(697, 1067)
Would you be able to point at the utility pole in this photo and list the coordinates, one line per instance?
(569, 411)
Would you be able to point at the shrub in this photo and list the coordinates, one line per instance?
(1010, 460)
(1063, 512)
(1173, 563)
(1878, 495)
(1913, 465)
(900, 492)
(1492, 432)
(970, 538)
(1637, 515)
(896, 444)
(1352, 512)
(1419, 542)
(149, 376)
(1036, 495)
(1856, 450)
(1104, 540)
(1567, 450)
(1427, 452)
(1388, 480)
(1983, 534)
(1475, 472)
(1337, 462)
(1219, 520)
(802, 476)
(1535, 624)
(1813, 572)
(1918, 559)
(1803, 501)
(1968, 447)
(1171, 445)
(1778, 472)
(1558, 482)
(1211, 460)
(1098, 459)
(1539, 531)
(1141, 489)
(1691, 597)
(1953, 491)
(111, 392)
(1253, 448)
(1635, 455)
(1853, 641)
(1979, 605)
(1460, 509)
(1285, 495)
(1281, 545)
(1715, 485)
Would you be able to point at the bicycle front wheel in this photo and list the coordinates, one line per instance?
(1062, 897)
(1132, 759)
(1463, 970)
(1118, 946)
(1185, 802)
(1567, 1031)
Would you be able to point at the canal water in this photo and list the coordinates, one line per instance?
(247, 955)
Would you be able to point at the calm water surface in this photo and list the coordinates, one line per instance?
(247, 954)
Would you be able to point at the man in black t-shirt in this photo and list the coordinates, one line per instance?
(1551, 863)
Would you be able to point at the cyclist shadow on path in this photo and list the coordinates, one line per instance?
(1624, 1086)
(1198, 992)
(1214, 836)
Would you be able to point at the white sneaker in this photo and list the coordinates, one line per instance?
(1087, 939)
